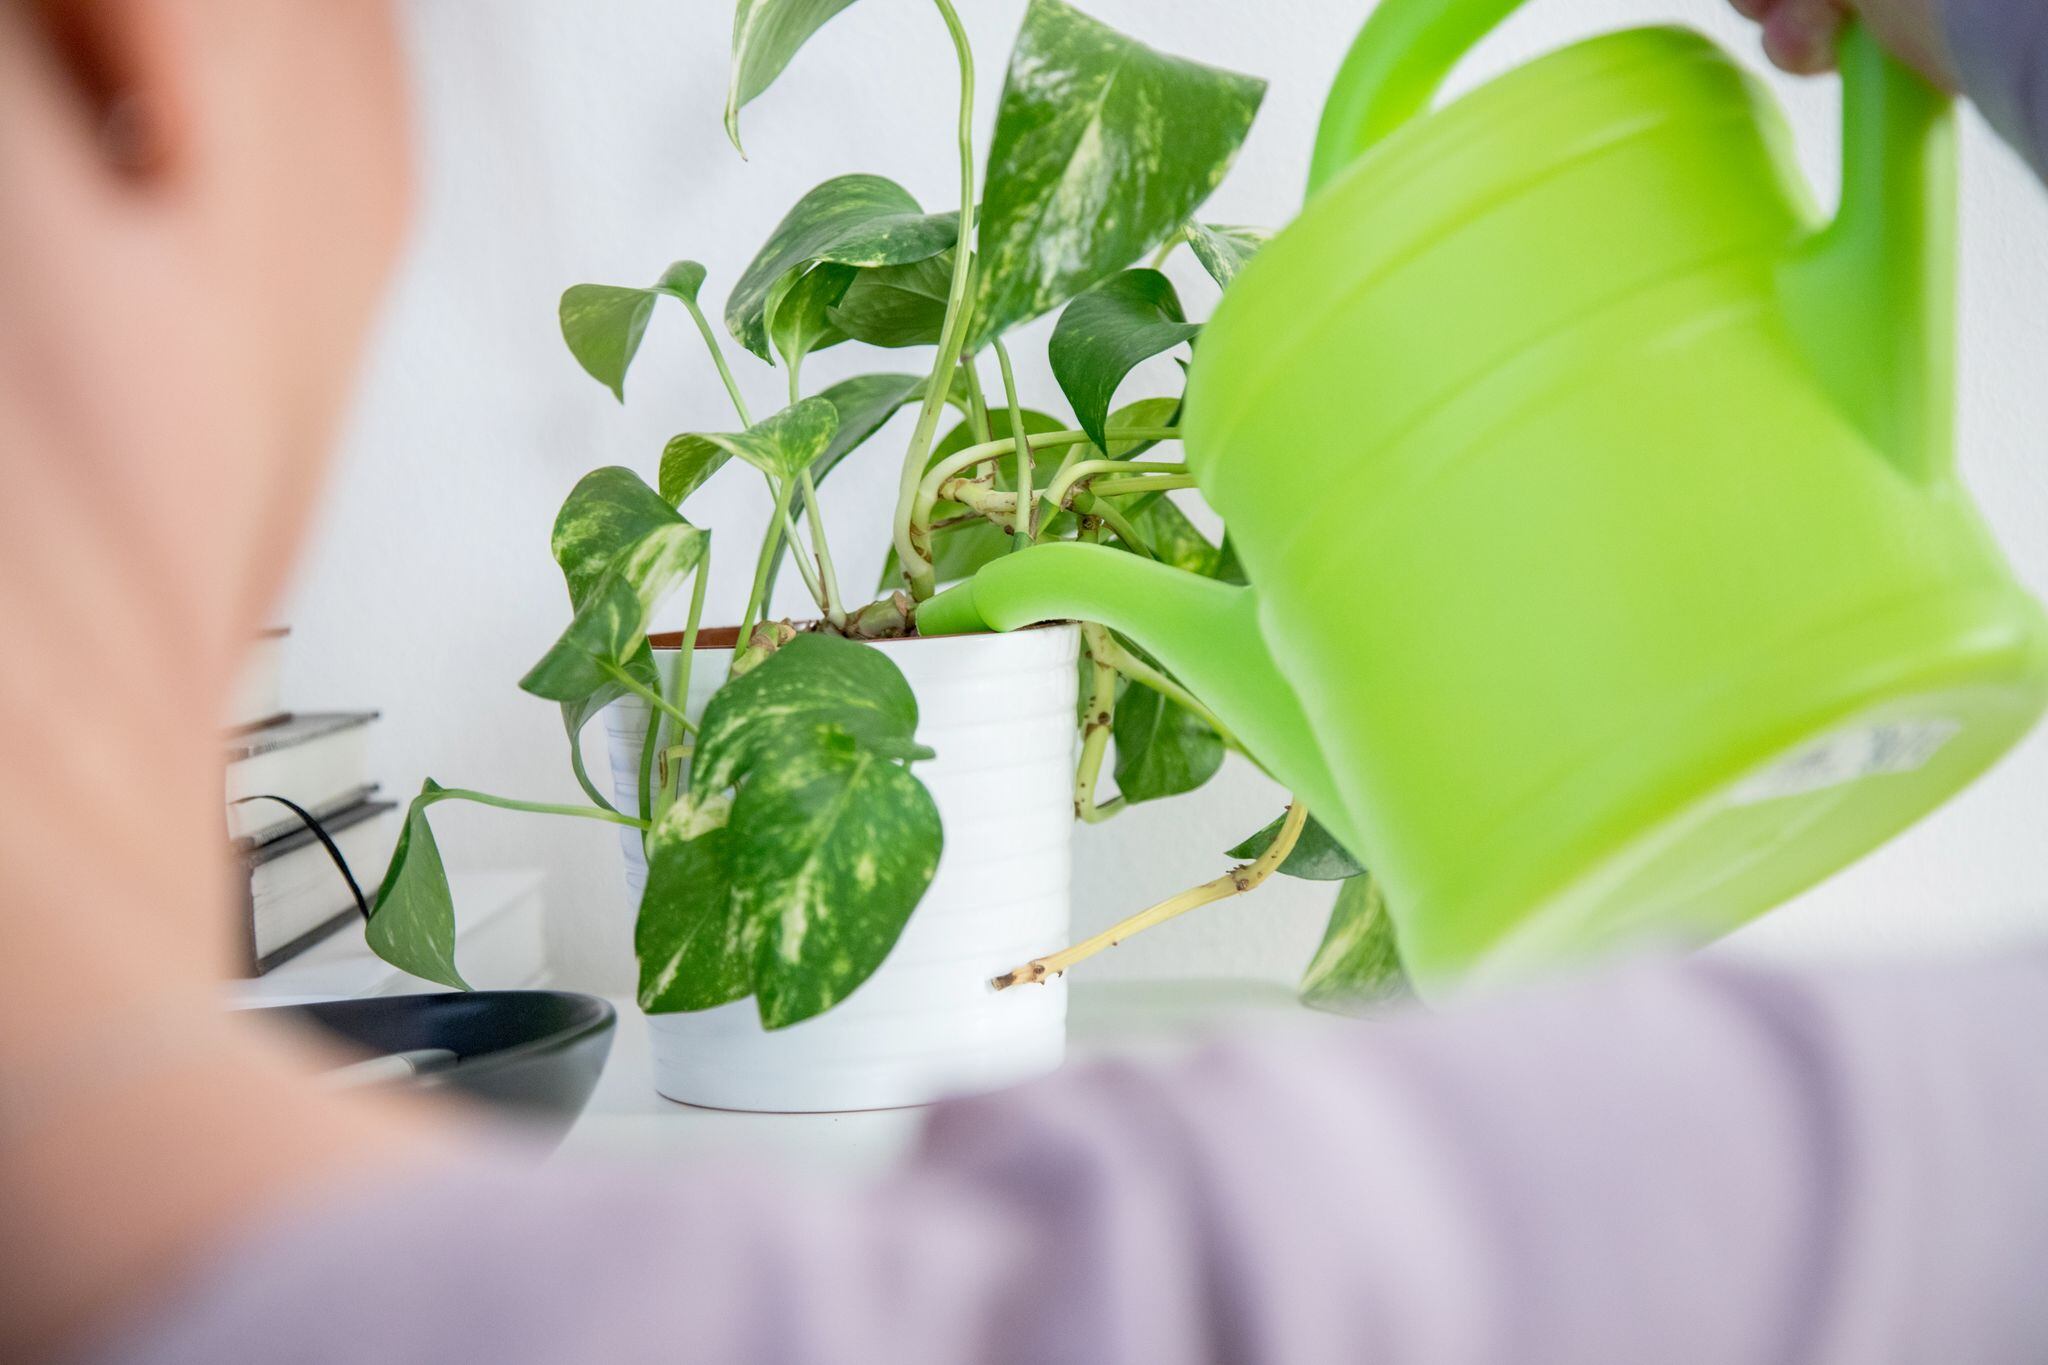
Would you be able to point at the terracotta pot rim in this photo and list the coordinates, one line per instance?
(725, 637)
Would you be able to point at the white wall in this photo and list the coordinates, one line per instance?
(581, 142)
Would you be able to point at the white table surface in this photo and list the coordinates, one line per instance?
(626, 1118)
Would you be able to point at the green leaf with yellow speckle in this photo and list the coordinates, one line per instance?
(603, 323)
(623, 550)
(1358, 966)
(412, 918)
(765, 35)
(854, 220)
(813, 680)
(800, 892)
(693, 944)
(835, 845)
(1223, 251)
(1102, 147)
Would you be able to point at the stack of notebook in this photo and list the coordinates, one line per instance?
(302, 814)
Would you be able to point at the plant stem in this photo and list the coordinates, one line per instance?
(1140, 483)
(1166, 247)
(977, 405)
(803, 563)
(645, 693)
(950, 467)
(917, 567)
(1096, 722)
(1115, 656)
(576, 766)
(533, 807)
(832, 601)
(771, 545)
(1027, 516)
(1237, 881)
(679, 685)
(1060, 488)
(1087, 504)
(732, 390)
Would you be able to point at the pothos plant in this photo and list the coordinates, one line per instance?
(787, 836)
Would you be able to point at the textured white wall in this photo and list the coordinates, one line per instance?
(581, 142)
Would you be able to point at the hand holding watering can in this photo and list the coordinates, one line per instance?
(1633, 590)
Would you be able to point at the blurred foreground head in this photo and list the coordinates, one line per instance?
(199, 202)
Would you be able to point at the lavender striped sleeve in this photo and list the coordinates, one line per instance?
(2001, 53)
(1700, 1164)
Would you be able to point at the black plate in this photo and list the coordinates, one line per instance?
(532, 1055)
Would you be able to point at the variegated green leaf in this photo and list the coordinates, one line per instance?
(1106, 333)
(765, 35)
(1162, 749)
(694, 946)
(781, 447)
(1223, 251)
(603, 323)
(623, 550)
(857, 220)
(798, 311)
(1316, 856)
(811, 681)
(897, 305)
(1358, 965)
(687, 461)
(412, 920)
(835, 845)
(1102, 147)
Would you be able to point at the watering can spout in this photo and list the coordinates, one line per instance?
(1871, 297)
(1205, 632)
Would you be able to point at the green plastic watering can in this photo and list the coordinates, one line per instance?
(1610, 579)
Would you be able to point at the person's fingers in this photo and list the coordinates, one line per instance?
(1758, 10)
(1803, 36)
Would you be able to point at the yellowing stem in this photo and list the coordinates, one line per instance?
(1235, 882)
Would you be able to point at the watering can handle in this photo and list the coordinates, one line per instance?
(1870, 297)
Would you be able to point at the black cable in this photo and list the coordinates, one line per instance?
(320, 833)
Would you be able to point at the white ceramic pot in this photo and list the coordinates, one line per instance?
(998, 710)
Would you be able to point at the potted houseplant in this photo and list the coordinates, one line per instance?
(790, 793)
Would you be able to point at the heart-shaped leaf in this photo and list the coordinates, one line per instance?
(603, 323)
(412, 920)
(811, 681)
(1106, 333)
(1359, 962)
(798, 894)
(781, 447)
(1316, 857)
(1162, 749)
(1102, 147)
(765, 35)
(1223, 251)
(623, 550)
(897, 305)
(687, 461)
(836, 845)
(694, 946)
(857, 220)
(799, 308)
(862, 403)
